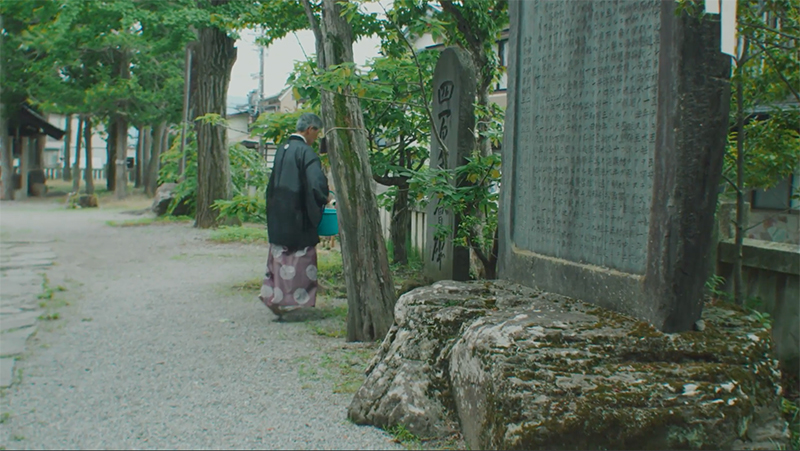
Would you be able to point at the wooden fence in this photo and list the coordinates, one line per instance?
(418, 227)
(97, 174)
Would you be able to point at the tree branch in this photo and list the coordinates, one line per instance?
(315, 27)
(732, 183)
(386, 180)
(778, 71)
(787, 210)
(421, 82)
(771, 30)
(478, 251)
(373, 99)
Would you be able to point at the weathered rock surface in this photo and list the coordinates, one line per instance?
(522, 369)
(163, 198)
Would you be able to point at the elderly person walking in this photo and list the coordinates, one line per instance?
(296, 196)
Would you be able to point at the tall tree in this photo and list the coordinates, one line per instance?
(6, 171)
(67, 175)
(88, 176)
(474, 26)
(217, 53)
(122, 60)
(76, 170)
(764, 148)
(395, 120)
(156, 149)
(370, 289)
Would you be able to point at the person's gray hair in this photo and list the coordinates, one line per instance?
(308, 120)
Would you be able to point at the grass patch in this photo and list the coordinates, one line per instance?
(330, 319)
(49, 292)
(249, 235)
(48, 300)
(404, 437)
(4, 417)
(138, 222)
(331, 274)
(347, 367)
(252, 285)
(791, 411)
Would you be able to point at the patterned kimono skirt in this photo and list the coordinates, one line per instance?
(291, 278)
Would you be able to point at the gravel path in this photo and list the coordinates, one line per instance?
(157, 350)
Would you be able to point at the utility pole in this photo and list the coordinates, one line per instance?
(262, 51)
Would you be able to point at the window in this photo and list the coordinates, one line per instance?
(502, 59)
(778, 197)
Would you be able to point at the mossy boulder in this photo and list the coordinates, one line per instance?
(520, 369)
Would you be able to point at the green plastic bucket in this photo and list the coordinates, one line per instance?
(329, 226)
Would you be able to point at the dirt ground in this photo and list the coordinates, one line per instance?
(160, 342)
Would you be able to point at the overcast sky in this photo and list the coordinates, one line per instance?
(279, 60)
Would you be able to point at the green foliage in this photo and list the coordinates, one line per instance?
(404, 436)
(186, 188)
(714, 286)
(474, 193)
(243, 207)
(772, 149)
(791, 412)
(248, 169)
(277, 127)
(769, 71)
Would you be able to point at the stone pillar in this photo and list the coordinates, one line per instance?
(612, 156)
(454, 114)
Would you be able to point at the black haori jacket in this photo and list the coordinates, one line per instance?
(296, 195)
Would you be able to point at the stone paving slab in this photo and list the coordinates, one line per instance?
(21, 266)
(26, 319)
(13, 343)
(26, 264)
(6, 371)
(18, 251)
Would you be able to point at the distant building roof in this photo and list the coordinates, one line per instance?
(31, 123)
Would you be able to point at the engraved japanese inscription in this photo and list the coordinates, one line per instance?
(586, 131)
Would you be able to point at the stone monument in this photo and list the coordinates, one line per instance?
(614, 137)
(454, 114)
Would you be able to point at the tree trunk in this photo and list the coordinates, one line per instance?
(146, 152)
(121, 176)
(187, 83)
(67, 175)
(88, 176)
(6, 150)
(155, 155)
(6, 158)
(121, 182)
(484, 88)
(400, 227)
(139, 156)
(738, 282)
(370, 289)
(111, 155)
(217, 52)
(7, 169)
(76, 172)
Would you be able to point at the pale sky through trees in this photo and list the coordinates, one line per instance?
(280, 57)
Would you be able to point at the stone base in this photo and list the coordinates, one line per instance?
(522, 369)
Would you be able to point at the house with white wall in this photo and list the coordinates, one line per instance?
(54, 150)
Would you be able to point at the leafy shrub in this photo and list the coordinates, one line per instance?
(248, 169)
